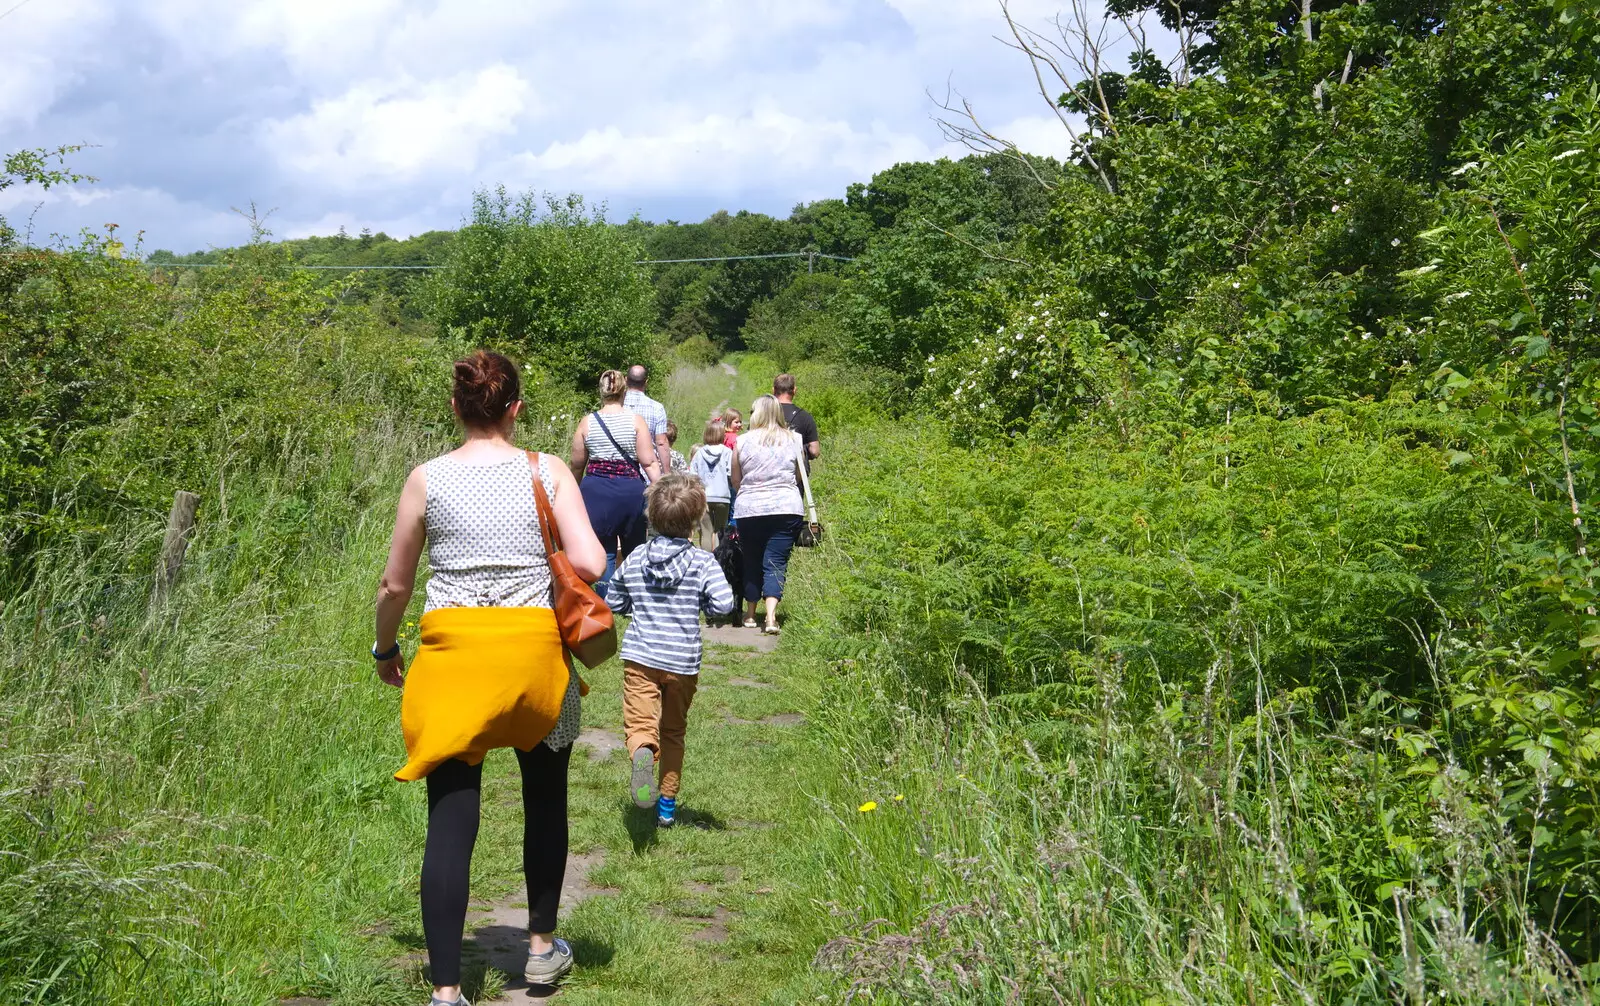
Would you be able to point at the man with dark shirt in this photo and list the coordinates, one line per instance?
(798, 419)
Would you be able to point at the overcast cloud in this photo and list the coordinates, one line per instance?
(388, 113)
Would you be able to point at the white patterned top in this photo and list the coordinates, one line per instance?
(485, 549)
(769, 484)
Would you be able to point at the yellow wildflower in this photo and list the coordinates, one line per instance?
(868, 807)
(899, 797)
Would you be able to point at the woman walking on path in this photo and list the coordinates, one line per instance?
(491, 671)
(766, 505)
(614, 458)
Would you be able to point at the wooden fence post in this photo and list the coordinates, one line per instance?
(180, 522)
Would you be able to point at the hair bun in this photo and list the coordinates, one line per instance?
(486, 385)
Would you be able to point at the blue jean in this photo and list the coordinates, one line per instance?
(769, 540)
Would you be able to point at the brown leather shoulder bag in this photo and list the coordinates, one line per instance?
(587, 626)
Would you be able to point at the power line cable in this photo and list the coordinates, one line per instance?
(15, 8)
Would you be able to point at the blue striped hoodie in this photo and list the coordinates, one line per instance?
(664, 585)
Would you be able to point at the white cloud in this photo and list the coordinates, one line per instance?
(36, 59)
(388, 113)
(392, 132)
(720, 154)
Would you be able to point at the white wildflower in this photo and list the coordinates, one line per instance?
(930, 357)
(1365, 336)
(1347, 181)
(1236, 286)
(1567, 153)
(1019, 336)
(1458, 295)
(1395, 243)
(1015, 374)
(1105, 314)
(1335, 207)
(1464, 168)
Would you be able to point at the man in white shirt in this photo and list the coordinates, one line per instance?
(651, 411)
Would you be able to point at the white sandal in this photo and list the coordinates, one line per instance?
(749, 623)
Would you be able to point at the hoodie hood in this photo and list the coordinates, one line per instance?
(666, 560)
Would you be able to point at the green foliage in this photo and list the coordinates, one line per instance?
(936, 269)
(714, 298)
(800, 323)
(42, 167)
(391, 291)
(548, 279)
(1231, 672)
(118, 385)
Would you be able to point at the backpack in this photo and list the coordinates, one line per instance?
(730, 556)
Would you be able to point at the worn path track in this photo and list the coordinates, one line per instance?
(703, 913)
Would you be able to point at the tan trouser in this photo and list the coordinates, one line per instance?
(655, 715)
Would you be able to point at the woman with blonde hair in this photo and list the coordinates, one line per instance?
(491, 671)
(767, 505)
(614, 458)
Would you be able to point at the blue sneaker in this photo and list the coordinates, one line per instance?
(666, 811)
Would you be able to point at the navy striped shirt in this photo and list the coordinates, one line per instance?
(665, 584)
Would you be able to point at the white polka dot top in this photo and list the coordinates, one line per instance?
(485, 549)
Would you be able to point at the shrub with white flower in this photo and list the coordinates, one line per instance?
(1047, 364)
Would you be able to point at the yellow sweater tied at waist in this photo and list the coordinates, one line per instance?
(484, 678)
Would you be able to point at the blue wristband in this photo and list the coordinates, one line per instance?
(390, 654)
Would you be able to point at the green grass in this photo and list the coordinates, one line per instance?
(732, 860)
(690, 393)
(207, 785)
(196, 803)
(1112, 788)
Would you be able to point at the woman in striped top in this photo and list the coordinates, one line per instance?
(613, 459)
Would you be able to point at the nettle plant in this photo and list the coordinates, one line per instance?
(1048, 365)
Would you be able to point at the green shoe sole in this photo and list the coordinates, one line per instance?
(642, 787)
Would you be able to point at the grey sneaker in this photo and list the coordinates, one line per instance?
(642, 787)
(436, 1001)
(548, 968)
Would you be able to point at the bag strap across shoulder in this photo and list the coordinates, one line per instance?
(607, 431)
(547, 515)
(805, 482)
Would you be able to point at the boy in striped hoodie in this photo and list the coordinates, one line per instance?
(664, 586)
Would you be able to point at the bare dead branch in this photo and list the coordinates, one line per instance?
(979, 138)
(1036, 56)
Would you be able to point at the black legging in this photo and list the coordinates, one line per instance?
(453, 797)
